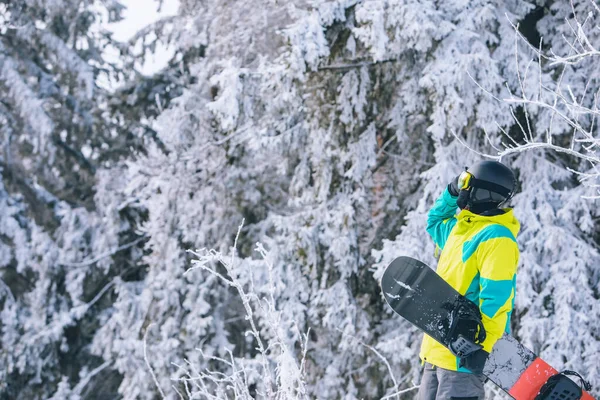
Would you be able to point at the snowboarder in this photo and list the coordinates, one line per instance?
(479, 256)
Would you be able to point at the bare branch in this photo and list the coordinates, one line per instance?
(377, 353)
(148, 363)
(472, 149)
(400, 392)
(546, 146)
(354, 65)
(109, 253)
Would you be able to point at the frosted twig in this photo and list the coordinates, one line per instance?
(577, 40)
(302, 363)
(527, 139)
(219, 359)
(377, 353)
(574, 59)
(530, 146)
(524, 40)
(385, 145)
(187, 381)
(355, 65)
(517, 64)
(263, 252)
(489, 140)
(242, 372)
(565, 104)
(237, 236)
(158, 103)
(103, 255)
(572, 105)
(246, 303)
(78, 311)
(507, 135)
(202, 265)
(470, 148)
(523, 92)
(540, 70)
(482, 88)
(177, 391)
(259, 310)
(148, 363)
(528, 124)
(7, 290)
(213, 255)
(568, 120)
(226, 139)
(83, 382)
(400, 392)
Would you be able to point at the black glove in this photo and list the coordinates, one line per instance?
(453, 187)
(475, 361)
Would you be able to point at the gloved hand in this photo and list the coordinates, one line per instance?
(453, 187)
(475, 361)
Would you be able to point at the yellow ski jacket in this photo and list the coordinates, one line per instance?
(479, 259)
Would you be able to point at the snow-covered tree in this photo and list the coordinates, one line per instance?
(322, 125)
(329, 127)
(65, 235)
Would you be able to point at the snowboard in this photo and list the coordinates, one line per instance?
(421, 296)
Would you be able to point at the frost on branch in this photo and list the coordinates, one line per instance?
(278, 370)
(555, 104)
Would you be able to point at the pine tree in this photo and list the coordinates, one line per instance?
(329, 128)
(64, 237)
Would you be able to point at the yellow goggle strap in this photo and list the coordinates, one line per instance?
(464, 180)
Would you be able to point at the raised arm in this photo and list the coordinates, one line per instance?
(441, 219)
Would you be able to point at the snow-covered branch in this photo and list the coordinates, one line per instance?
(559, 114)
(287, 380)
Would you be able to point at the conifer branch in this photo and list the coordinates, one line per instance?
(345, 67)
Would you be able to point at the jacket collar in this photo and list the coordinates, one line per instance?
(505, 218)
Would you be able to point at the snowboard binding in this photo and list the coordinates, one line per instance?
(561, 387)
(465, 332)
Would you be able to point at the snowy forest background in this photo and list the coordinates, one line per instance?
(217, 229)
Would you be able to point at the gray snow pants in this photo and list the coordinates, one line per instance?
(442, 384)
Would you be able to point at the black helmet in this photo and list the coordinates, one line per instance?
(488, 184)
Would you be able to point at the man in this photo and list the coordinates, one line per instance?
(479, 256)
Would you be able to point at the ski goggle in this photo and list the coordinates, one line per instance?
(464, 179)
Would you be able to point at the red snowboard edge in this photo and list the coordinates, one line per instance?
(533, 378)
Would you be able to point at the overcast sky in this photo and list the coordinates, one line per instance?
(140, 13)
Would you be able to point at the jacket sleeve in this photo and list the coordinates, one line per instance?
(441, 219)
(498, 259)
